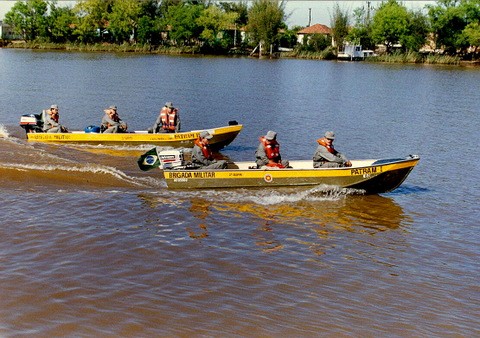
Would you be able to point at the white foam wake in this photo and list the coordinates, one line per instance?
(3, 131)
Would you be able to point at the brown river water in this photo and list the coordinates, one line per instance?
(90, 246)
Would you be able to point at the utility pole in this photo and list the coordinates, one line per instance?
(235, 36)
(309, 17)
(368, 13)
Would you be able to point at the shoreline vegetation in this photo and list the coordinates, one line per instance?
(441, 33)
(410, 57)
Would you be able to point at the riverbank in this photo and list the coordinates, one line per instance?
(328, 54)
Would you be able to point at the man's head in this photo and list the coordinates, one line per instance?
(169, 105)
(330, 136)
(205, 135)
(112, 110)
(53, 109)
(271, 135)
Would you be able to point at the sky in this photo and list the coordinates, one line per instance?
(298, 11)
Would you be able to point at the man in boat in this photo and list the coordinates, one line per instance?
(111, 122)
(168, 121)
(50, 123)
(202, 154)
(268, 152)
(326, 156)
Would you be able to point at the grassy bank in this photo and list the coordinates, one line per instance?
(413, 57)
(328, 54)
(105, 47)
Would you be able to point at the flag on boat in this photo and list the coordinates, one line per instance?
(149, 160)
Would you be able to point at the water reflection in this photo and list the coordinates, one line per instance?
(266, 238)
(200, 210)
(273, 226)
(372, 212)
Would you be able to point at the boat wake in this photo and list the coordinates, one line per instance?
(290, 195)
(268, 196)
(75, 176)
(3, 131)
(31, 165)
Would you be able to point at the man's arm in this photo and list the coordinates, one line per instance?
(158, 124)
(49, 123)
(261, 156)
(325, 154)
(197, 156)
(177, 127)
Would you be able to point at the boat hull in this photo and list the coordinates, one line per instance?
(222, 137)
(371, 176)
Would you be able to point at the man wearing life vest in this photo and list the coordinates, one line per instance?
(268, 152)
(111, 122)
(168, 121)
(326, 156)
(50, 123)
(202, 154)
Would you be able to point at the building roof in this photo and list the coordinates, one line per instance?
(316, 29)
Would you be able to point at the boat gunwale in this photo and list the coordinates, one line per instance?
(251, 166)
(218, 130)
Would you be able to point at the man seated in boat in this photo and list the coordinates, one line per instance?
(268, 152)
(50, 123)
(326, 156)
(168, 121)
(202, 154)
(111, 122)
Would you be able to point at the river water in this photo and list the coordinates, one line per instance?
(92, 246)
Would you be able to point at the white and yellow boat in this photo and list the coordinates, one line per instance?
(222, 136)
(372, 176)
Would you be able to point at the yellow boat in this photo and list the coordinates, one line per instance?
(222, 136)
(370, 176)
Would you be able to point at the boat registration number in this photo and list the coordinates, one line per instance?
(366, 171)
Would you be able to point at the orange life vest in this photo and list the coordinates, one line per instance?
(205, 149)
(330, 148)
(168, 118)
(272, 150)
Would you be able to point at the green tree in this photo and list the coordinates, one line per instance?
(28, 19)
(181, 22)
(318, 42)
(123, 19)
(92, 19)
(339, 23)
(148, 28)
(62, 24)
(390, 24)
(241, 9)
(214, 21)
(449, 19)
(361, 32)
(288, 37)
(265, 18)
(472, 34)
(418, 29)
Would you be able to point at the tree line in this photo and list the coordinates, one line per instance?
(450, 25)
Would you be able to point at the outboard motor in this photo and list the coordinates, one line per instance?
(32, 123)
(171, 159)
